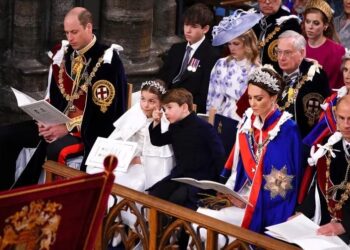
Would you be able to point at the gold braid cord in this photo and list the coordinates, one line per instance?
(83, 88)
(262, 43)
(77, 89)
(343, 186)
(293, 93)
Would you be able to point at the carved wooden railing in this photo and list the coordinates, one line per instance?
(148, 229)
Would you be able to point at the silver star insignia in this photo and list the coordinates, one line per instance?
(278, 182)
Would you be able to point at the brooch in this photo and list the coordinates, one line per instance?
(278, 182)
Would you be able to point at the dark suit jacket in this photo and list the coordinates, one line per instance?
(306, 109)
(267, 53)
(196, 82)
(198, 150)
(199, 154)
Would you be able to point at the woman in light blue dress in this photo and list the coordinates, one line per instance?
(228, 79)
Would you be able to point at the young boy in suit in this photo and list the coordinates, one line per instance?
(198, 150)
(188, 64)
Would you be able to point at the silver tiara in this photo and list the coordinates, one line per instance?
(260, 76)
(154, 84)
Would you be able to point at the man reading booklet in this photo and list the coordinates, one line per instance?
(302, 231)
(87, 83)
(327, 200)
(41, 111)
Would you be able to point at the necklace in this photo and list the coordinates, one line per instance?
(259, 146)
(344, 185)
(293, 93)
(77, 89)
(262, 43)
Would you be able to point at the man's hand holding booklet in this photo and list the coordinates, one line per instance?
(41, 111)
(302, 231)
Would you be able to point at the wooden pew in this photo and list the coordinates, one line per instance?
(149, 231)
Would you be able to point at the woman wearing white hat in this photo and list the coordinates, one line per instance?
(228, 79)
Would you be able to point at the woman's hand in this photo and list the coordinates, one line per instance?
(235, 202)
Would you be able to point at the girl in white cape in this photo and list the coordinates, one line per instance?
(150, 163)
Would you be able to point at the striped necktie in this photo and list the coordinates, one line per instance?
(183, 65)
(291, 79)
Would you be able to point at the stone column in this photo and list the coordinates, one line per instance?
(129, 24)
(164, 24)
(59, 9)
(4, 27)
(21, 68)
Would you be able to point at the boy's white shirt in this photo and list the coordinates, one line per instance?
(195, 46)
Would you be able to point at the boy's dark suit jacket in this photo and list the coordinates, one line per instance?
(198, 152)
(196, 82)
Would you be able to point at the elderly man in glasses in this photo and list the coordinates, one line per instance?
(276, 20)
(306, 83)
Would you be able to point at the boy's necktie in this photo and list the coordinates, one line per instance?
(183, 65)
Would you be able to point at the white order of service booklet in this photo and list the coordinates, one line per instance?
(301, 230)
(123, 150)
(41, 111)
(206, 184)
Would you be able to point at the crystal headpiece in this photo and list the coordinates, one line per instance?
(154, 84)
(233, 26)
(321, 5)
(264, 77)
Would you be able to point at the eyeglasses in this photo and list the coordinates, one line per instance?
(286, 53)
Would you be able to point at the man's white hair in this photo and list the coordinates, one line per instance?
(299, 41)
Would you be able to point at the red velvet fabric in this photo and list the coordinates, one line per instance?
(82, 203)
(242, 104)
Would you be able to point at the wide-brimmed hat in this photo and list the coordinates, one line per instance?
(234, 25)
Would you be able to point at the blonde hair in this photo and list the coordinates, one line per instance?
(250, 42)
